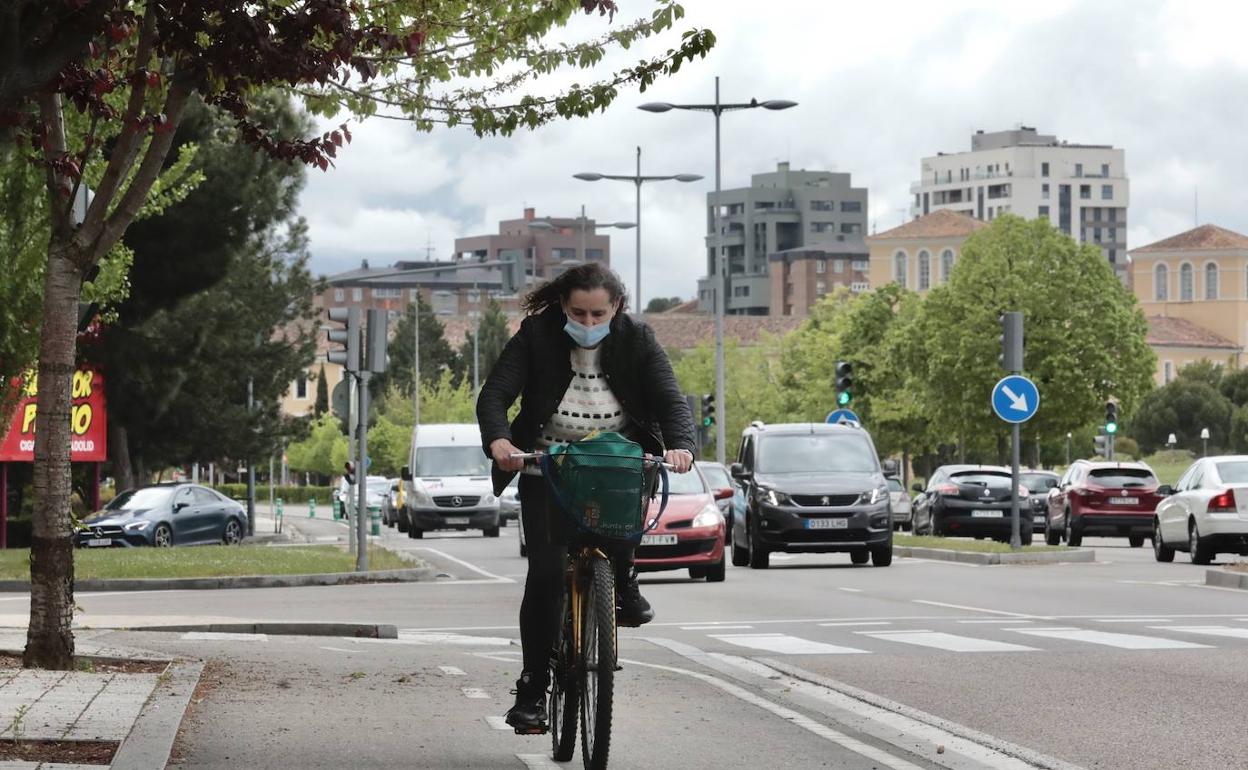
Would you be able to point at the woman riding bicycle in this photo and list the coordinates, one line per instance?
(580, 365)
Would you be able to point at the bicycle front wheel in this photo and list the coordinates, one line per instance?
(598, 658)
(564, 689)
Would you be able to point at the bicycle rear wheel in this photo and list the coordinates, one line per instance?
(564, 689)
(598, 658)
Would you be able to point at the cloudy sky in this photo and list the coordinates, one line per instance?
(879, 84)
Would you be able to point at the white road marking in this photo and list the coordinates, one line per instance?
(941, 562)
(943, 641)
(475, 692)
(1132, 620)
(473, 567)
(1108, 639)
(712, 628)
(412, 637)
(339, 649)
(1228, 631)
(498, 723)
(977, 609)
(784, 644)
(994, 621)
(850, 590)
(215, 636)
(839, 624)
(452, 671)
(538, 762)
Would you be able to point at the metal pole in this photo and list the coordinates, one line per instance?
(1015, 537)
(271, 512)
(640, 305)
(361, 477)
(476, 357)
(349, 503)
(1068, 449)
(416, 358)
(251, 475)
(584, 225)
(719, 286)
(4, 505)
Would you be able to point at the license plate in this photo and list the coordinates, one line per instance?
(96, 542)
(987, 514)
(827, 524)
(1124, 501)
(658, 540)
(457, 520)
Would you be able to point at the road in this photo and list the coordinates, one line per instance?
(1123, 663)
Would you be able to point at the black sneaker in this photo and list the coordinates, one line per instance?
(528, 716)
(631, 608)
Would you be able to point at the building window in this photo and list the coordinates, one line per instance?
(851, 228)
(855, 207)
(822, 227)
(1211, 281)
(838, 265)
(900, 268)
(1044, 211)
(1044, 192)
(946, 264)
(862, 264)
(301, 386)
(1078, 169)
(595, 254)
(474, 296)
(741, 291)
(1161, 283)
(1167, 372)
(1186, 291)
(563, 254)
(1085, 192)
(859, 286)
(357, 295)
(1107, 192)
(1044, 169)
(1105, 169)
(925, 271)
(821, 266)
(339, 295)
(1096, 234)
(821, 288)
(387, 293)
(822, 205)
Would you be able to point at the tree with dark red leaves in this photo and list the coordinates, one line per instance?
(131, 66)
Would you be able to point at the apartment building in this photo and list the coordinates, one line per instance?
(1081, 188)
(779, 212)
(546, 245)
(801, 277)
(454, 287)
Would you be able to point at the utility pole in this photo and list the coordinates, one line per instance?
(251, 472)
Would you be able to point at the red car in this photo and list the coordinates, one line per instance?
(690, 534)
(1102, 498)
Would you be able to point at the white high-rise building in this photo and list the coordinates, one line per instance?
(1081, 188)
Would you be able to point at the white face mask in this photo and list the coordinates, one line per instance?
(587, 336)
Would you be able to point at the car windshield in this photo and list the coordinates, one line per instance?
(894, 485)
(1123, 477)
(982, 478)
(716, 476)
(685, 483)
(817, 453)
(378, 486)
(1038, 482)
(451, 461)
(140, 499)
(1234, 472)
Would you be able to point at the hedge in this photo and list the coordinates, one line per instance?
(289, 495)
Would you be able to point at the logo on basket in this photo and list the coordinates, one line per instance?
(592, 515)
(457, 501)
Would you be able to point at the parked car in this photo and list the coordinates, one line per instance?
(811, 488)
(971, 501)
(1103, 498)
(164, 515)
(393, 503)
(719, 479)
(1038, 484)
(1206, 513)
(450, 482)
(690, 533)
(902, 513)
(509, 502)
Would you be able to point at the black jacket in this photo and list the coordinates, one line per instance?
(536, 364)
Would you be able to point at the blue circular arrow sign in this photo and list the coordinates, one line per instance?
(841, 415)
(1015, 398)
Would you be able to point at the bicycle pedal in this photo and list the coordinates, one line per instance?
(532, 730)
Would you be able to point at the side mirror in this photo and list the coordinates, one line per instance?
(180, 505)
(739, 472)
(405, 473)
(723, 494)
(916, 487)
(890, 467)
(1165, 490)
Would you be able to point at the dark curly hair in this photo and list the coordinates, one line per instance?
(586, 277)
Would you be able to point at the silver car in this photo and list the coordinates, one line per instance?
(509, 502)
(903, 517)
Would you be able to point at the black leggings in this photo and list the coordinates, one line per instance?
(546, 532)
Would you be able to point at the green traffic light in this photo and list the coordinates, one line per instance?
(708, 422)
(1111, 427)
(842, 398)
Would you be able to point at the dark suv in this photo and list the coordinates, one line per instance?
(811, 488)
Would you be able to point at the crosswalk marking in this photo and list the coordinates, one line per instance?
(1132, 620)
(498, 723)
(1109, 639)
(715, 628)
(784, 644)
(1234, 633)
(992, 621)
(452, 671)
(474, 692)
(840, 624)
(949, 642)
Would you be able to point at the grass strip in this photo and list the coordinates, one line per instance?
(960, 544)
(204, 561)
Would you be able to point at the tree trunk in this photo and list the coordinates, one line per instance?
(49, 640)
(119, 448)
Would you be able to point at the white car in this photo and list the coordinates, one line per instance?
(902, 517)
(1206, 513)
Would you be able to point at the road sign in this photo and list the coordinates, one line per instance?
(340, 401)
(841, 415)
(1015, 398)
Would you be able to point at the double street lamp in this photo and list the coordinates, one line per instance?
(721, 268)
(638, 180)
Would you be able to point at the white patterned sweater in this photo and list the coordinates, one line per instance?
(588, 405)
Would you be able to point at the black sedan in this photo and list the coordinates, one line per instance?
(970, 501)
(164, 515)
(1038, 484)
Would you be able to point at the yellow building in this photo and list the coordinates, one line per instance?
(921, 253)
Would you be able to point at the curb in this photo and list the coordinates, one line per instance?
(150, 741)
(1226, 579)
(356, 630)
(1074, 555)
(412, 575)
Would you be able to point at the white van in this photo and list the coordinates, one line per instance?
(447, 482)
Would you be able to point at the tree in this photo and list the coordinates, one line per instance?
(662, 304)
(1184, 407)
(492, 334)
(431, 65)
(315, 454)
(322, 394)
(436, 354)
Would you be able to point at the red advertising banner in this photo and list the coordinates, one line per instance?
(88, 421)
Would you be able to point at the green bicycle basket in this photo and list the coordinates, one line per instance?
(603, 484)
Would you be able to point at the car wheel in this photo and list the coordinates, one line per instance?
(1074, 537)
(1136, 541)
(1197, 547)
(1161, 551)
(400, 521)
(162, 536)
(740, 556)
(882, 556)
(1051, 536)
(715, 572)
(860, 556)
(1025, 536)
(415, 533)
(490, 532)
(233, 534)
(760, 557)
(933, 528)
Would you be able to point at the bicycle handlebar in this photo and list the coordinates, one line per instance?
(531, 458)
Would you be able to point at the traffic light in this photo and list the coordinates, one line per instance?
(1111, 417)
(349, 338)
(1011, 357)
(844, 383)
(510, 269)
(375, 341)
(1101, 441)
(708, 410)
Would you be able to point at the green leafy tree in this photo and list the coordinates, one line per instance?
(436, 354)
(492, 334)
(322, 394)
(315, 454)
(1233, 385)
(662, 304)
(1184, 407)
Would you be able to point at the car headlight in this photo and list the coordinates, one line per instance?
(775, 498)
(873, 496)
(487, 499)
(137, 526)
(421, 496)
(708, 517)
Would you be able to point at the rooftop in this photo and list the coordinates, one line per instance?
(1203, 238)
(942, 223)
(1166, 331)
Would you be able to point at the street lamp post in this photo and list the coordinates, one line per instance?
(1068, 438)
(1204, 437)
(637, 179)
(721, 267)
(585, 226)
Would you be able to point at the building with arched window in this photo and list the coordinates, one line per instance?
(903, 254)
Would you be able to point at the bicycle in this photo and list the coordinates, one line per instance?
(585, 657)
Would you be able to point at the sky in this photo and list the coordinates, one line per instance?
(879, 86)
